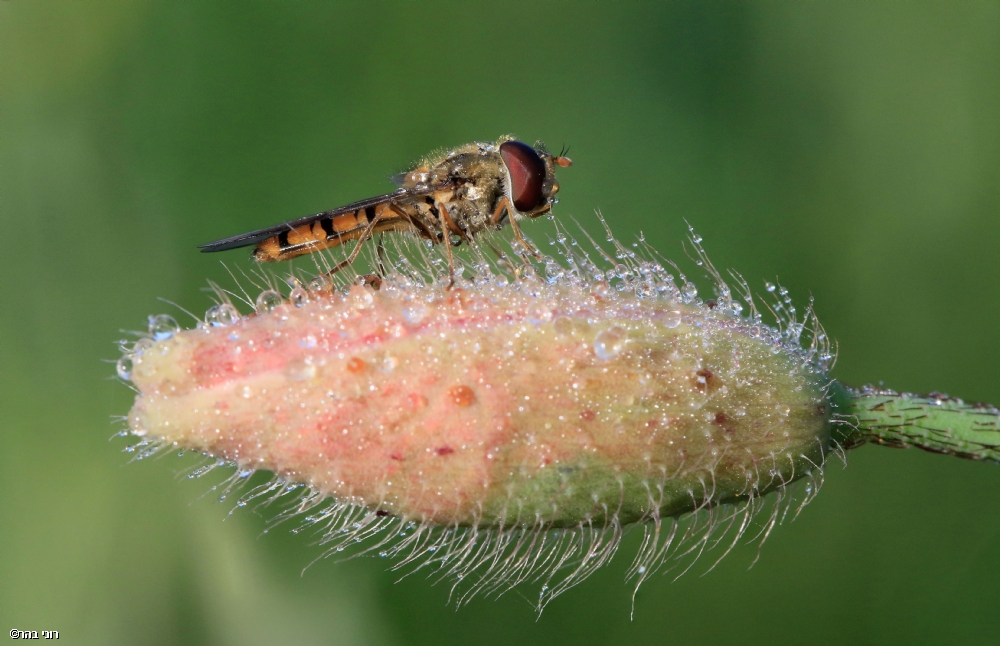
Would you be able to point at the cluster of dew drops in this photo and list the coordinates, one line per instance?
(630, 272)
(161, 327)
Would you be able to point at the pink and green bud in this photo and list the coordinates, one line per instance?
(494, 405)
(510, 426)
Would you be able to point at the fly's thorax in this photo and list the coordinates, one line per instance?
(495, 405)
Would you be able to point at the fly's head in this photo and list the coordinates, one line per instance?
(531, 182)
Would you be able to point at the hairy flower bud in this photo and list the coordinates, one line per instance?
(497, 406)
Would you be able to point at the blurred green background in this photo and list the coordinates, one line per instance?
(851, 149)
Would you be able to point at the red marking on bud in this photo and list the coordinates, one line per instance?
(588, 415)
(355, 365)
(723, 420)
(462, 395)
(444, 450)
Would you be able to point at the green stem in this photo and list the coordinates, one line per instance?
(934, 422)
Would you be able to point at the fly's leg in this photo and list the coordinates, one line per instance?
(361, 240)
(504, 205)
(501, 256)
(371, 280)
(380, 255)
(524, 243)
(367, 234)
(375, 280)
(446, 234)
(454, 228)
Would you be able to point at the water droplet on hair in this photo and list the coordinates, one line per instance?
(298, 297)
(162, 327)
(267, 300)
(672, 319)
(600, 289)
(482, 277)
(609, 343)
(361, 297)
(553, 272)
(124, 367)
(321, 283)
(222, 315)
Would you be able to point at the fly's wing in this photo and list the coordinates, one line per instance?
(399, 178)
(252, 238)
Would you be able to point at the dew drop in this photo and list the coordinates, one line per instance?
(321, 283)
(600, 289)
(124, 367)
(267, 300)
(162, 327)
(298, 297)
(221, 315)
(609, 343)
(361, 297)
(672, 319)
(553, 272)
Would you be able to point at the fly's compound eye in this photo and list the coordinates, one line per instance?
(527, 175)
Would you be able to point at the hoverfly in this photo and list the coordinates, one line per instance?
(448, 198)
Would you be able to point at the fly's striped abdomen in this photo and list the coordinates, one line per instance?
(328, 232)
